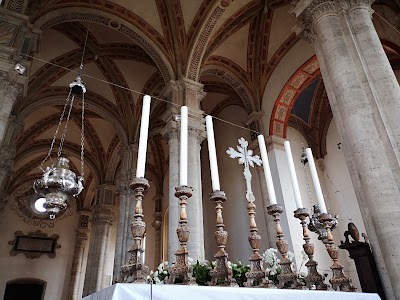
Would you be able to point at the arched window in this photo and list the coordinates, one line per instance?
(25, 288)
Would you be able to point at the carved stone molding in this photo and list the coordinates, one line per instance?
(34, 244)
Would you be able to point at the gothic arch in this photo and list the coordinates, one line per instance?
(115, 22)
(237, 84)
(298, 81)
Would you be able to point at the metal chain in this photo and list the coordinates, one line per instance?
(83, 137)
(56, 133)
(65, 128)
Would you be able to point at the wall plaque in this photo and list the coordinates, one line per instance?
(34, 244)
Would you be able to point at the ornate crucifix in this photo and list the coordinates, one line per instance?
(256, 275)
(247, 159)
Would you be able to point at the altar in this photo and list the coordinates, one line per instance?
(125, 291)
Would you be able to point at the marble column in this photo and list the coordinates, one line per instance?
(126, 208)
(365, 102)
(99, 273)
(78, 269)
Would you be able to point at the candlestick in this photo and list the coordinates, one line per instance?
(144, 131)
(135, 270)
(293, 177)
(313, 277)
(339, 281)
(212, 155)
(286, 278)
(184, 147)
(315, 179)
(221, 272)
(267, 170)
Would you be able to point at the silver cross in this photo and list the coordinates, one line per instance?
(247, 159)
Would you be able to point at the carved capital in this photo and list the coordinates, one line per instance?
(352, 4)
(104, 215)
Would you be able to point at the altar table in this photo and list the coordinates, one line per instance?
(131, 291)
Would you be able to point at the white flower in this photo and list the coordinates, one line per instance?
(234, 265)
(229, 265)
(151, 273)
(213, 264)
(165, 272)
(191, 261)
(156, 274)
(165, 263)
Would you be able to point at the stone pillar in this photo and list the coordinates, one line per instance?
(157, 224)
(7, 153)
(189, 93)
(78, 269)
(171, 134)
(126, 209)
(98, 276)
(8, 96)
(364, 97)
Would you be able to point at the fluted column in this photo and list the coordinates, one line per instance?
(78, 268)
(365, 101)
(99, 269)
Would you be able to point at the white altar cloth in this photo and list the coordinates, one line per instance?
(130, 291)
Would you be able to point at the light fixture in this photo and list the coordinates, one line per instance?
(20, 69)
(58, 183)
(39, 205)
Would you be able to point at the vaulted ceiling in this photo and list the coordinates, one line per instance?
(136, 47)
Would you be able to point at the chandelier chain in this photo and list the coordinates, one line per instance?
(56, 133)
(83, 137)
(65, 128)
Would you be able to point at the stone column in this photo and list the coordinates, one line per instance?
(366, 107)
(8, 96)
(126, 209)
(189, 93)
(98, 276)
(78, 269)
(171, 134)
(157, 224)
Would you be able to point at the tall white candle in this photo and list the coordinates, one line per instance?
(184, 147)
(212, 154)
(267, 170)
(315, 179)
(293, 177)
(144, 131)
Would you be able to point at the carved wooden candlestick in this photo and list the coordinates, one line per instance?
(287, 278)
(256, 275)
(221, 270)
(313, 277)
(135, 271)
(181, 269)
(339, 281)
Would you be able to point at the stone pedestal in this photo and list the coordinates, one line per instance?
(364, 96)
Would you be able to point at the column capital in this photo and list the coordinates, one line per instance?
(274, 142)
(104, 214)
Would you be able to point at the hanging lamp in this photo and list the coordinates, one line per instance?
(58, 183)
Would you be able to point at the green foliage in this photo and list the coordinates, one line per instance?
(201, 271)
(239, 272)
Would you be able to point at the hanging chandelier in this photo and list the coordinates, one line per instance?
(58, 183)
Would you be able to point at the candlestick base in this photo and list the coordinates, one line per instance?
(181, 271)
(313, 278)
(134, 271)
(339, 281)
(221, 274)
(287, 278)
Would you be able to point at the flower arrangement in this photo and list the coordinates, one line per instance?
(160, 274)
